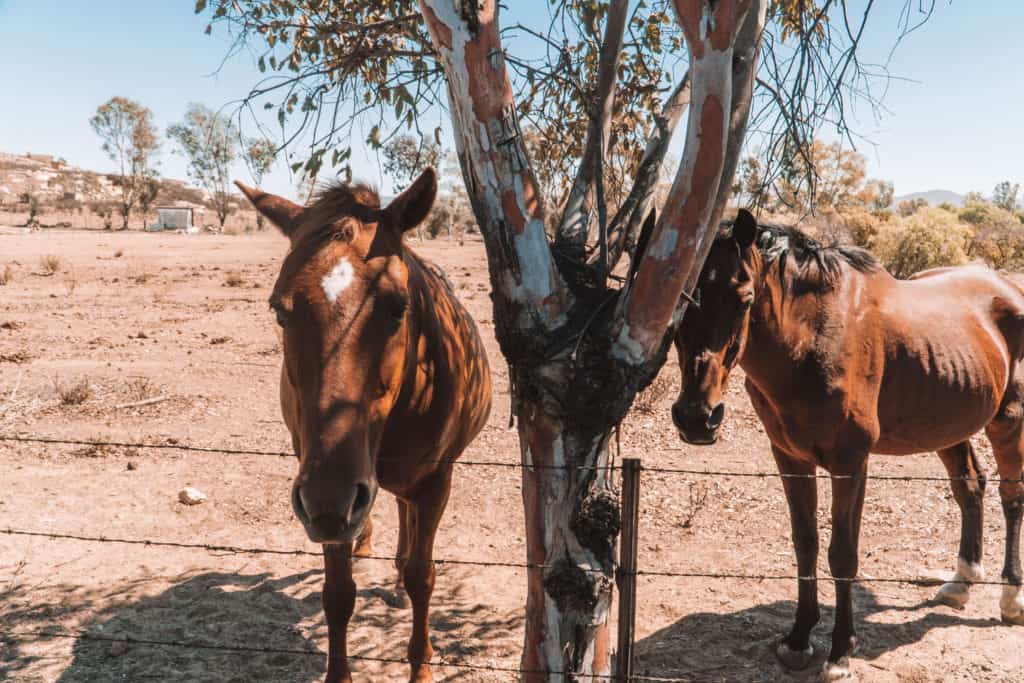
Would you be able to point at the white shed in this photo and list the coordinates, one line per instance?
(173, 218)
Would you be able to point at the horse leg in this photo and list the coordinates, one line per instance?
(339, 599)
(425, 512)
(1005, 436)
(795, 650)
(404, 533)
(847, 507)
(968, 484)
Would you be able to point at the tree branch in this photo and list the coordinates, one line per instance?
(495, 166)
(684, 232)
(624, 226)
(571, 238)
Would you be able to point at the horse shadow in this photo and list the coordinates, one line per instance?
(740, 646)
(283, 614)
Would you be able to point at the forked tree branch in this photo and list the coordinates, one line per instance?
(571, 238)
(500, 184)
(684, 232)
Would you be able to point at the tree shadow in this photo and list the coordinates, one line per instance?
(740, 646)
(251, 610)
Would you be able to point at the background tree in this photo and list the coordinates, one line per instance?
(1005, 195)
(406, 155)
(148, 193)
(579, 341)
(259, 156)
(130, 139)
(210, 143)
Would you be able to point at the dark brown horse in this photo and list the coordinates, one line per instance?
(384, 383)
(842, 360)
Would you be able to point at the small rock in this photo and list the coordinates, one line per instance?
(191, 496)
(118, 648)
(132, 465)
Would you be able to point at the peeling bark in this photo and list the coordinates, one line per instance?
(684, 231)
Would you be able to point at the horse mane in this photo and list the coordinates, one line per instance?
(332, 201)
(819, 267)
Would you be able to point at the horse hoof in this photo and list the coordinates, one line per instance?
(953, 595)
(836, 671)
(794, 660)
(1011, 605)
(1014, 620)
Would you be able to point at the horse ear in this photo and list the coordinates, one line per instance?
(410, 208)
(278, 210)
(744, 229)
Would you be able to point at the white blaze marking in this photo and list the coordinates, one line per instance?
(338, 280)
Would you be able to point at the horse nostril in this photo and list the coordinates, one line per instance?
(360, 503)
(714, 420)
(326, 525)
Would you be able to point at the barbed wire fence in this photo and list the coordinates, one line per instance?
(626, 574)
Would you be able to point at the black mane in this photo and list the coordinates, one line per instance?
(818, 266)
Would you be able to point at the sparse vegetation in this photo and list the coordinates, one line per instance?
(73, 394)
(16, 357)
(6, 275)
(234, 279)
(49, 264)
(70, 282)
(141, 388)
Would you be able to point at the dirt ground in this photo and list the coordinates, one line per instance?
(128, 317)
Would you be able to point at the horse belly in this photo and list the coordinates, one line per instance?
(936, 399)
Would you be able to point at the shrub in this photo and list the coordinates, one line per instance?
(49, 264)
(926, 239)
(861, 227)
(998, 235)
(73, 394)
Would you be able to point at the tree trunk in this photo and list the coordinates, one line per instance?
(577, 357)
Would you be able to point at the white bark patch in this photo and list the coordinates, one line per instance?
(338, 280)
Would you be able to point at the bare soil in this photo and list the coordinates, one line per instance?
(131, 316)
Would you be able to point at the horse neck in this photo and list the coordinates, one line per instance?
(778, 329)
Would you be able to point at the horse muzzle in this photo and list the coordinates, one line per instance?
(333, 514)
(698, 426)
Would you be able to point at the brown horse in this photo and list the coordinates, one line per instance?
(843, 360)
(384, 383)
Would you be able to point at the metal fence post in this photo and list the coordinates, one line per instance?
(626, 576)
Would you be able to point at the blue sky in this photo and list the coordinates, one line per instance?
(956, 122)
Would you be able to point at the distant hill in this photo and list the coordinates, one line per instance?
(933, 197)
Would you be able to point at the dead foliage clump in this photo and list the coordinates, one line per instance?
(141, 389)
(73, 394)
(16, 357)
(7, 275)
(49, 264)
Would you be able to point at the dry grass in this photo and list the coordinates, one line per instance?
(70, 282)
(17, 357)
(234, 279)
(141, 388)
(698, 500)
(49, 264)
(138, 275)
(73, 394)
(650, 400)
(7, 275)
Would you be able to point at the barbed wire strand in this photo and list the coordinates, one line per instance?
(924, 581)
(511, 465)
(263, 649)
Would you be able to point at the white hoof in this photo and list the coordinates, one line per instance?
(794, 660)
(1011, 604)
(836, 671)
(956, 593)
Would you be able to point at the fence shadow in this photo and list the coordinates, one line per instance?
(740, 646)
(252, 610)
